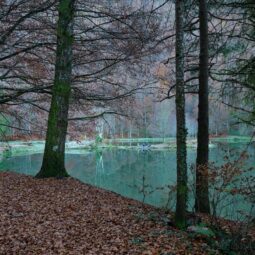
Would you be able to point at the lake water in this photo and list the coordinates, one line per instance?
(142, 175)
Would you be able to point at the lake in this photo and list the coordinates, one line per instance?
(143, 175)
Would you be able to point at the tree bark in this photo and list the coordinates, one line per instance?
(202, 193)
(181, 131)
(53, 164)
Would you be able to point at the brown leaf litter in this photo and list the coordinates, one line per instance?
(51, 216)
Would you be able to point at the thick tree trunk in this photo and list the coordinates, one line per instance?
(54, 154)
(202, 194)
(181, 132)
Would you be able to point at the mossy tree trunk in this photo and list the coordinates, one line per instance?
(53, 164)
(202, 193)
(181, 131)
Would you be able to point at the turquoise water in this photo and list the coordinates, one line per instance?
(142, 175)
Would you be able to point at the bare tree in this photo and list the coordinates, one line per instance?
(54, 153)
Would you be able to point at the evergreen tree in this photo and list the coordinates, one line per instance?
(202, 193)
(181, 201)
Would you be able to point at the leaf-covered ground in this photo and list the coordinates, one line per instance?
(51, 216)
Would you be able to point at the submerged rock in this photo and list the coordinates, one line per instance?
(201, 231)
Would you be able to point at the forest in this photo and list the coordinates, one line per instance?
(127, 127)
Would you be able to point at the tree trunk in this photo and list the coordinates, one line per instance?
(54, 153)
(202, 194)
(181, 132)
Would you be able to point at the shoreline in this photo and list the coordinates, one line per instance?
(50, 216)
(37, 146)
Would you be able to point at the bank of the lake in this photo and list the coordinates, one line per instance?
(25, 147)
(51, 216)
(142, 173)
